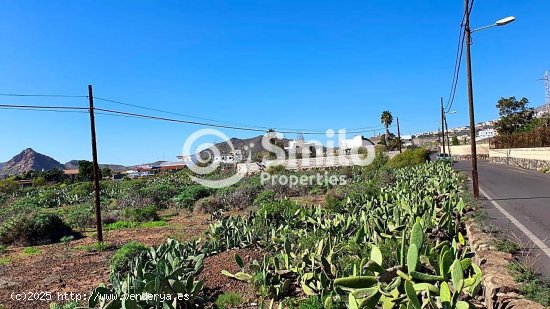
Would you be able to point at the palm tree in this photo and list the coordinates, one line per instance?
(386, 119)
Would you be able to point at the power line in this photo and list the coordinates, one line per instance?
(45, 110)
(177, 114)
(42, 95)
(135, 115)
(259, 128)
(143, 116)
(38, 107)
(458, 62)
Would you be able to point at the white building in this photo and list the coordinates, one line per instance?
(231, 158)
(358, 141)
(407, 140)
(302, 146)
(487, 133)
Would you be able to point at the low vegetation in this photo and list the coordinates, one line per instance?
(229, 300)
(392, 236)
(397, 247)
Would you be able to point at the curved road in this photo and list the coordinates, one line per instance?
(518, 202)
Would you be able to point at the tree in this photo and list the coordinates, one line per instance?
(8, 185)
(55, 175)
(455, 141)
(386, 119)
(39, 181)
(514, 115)
(392, 143)
(106, 172)
(85, 170)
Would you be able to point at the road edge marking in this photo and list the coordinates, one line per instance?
(543, 247)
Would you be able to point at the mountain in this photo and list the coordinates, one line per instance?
(1, 164)
(29, 160)
(73, 165)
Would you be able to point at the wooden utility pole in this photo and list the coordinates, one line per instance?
(95, 166)
(398, 135)
(443, 125)
(468, 33)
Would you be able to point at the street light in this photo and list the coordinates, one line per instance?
(468, 36)
(498, 23)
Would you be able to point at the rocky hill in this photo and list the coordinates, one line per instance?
(29, 160)
(251, 145)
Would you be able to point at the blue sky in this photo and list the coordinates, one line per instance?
(291, 64)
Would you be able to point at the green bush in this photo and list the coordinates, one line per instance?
(33, 229)
(409, 158)
(264, 197)
(160, 193)
(208, 204)
(120, 262)
(82, 189)
(8, 185)
(143, 214)
(276, 169)
(70, 305)
(19, 206)
(229, 300)
(189, 195)
(334, 202)
(79, 217)
(49, 197)
(278, 211)
(312, 302)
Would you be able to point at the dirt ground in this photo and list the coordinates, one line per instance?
(58, 269)
(215, 283)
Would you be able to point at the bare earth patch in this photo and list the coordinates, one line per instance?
(215, 283)
(57, 269)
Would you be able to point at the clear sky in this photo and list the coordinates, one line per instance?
(282, 64)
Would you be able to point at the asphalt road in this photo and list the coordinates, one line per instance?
(519, 204)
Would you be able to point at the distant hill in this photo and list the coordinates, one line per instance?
(29, 160)
(253, 144)
(73, 165)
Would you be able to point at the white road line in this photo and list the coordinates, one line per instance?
(543, 247)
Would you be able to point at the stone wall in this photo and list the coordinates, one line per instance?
(528, 158)
(499, 288)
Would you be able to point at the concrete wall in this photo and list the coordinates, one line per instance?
(463, 151)
(306, 163)
(529, 158)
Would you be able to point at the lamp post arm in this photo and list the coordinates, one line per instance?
(483, 28)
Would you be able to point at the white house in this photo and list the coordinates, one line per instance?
(302, 146)
(358, 141)
(487, 133)
(407, 140)
(230, 158)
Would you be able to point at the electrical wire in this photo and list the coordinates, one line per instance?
(14, 106)
(42, 95)
(259, 128)
(143, 116)
(45, 110)
(178, 114)
(458, 60)
(135, 115)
